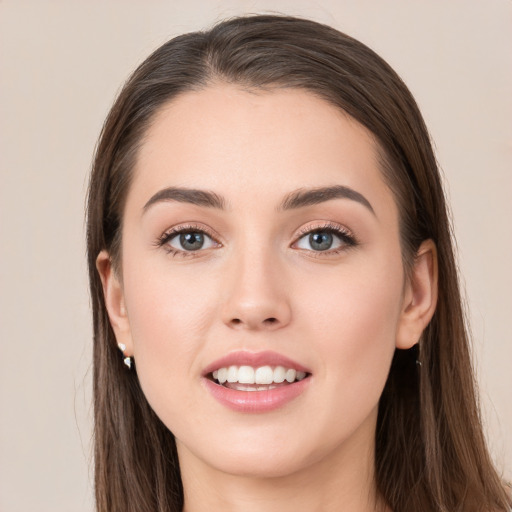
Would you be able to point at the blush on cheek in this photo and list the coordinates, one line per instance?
(358, 329)
(168, 317)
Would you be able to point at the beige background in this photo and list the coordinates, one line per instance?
(61, 64)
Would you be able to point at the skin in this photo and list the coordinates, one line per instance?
(261, 286)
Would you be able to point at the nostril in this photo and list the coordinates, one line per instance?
(254, 323)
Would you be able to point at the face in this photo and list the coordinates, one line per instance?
(260, 242)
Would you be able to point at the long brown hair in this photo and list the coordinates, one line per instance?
(430, 449)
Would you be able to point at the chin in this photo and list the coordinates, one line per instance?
(258, 467)
(255, 457)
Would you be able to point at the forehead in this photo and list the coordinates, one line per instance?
(227, 139)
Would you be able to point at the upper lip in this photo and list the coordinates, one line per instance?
(254, 359)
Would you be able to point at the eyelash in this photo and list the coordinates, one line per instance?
(347, 238)
(163, 241)
(339, 231)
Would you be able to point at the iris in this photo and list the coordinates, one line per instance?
(192, 241)
(320, 241)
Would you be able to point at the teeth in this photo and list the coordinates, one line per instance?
(290, 375)
(246, 375)
(279, 374)
(222, 375)
(232, 374)
(264, 375)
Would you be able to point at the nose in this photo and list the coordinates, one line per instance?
(257, 297)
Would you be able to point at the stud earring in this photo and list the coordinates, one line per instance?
(127, 360)
(418, 362)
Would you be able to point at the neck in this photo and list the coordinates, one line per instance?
(343, 480)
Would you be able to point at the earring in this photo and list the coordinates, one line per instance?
(418, 362)
(127, 360)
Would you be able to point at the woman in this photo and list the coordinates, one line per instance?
(270, 251)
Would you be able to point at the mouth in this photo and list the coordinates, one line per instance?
(262, 378)
(259, 382)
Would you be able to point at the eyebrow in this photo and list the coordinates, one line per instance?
(309, 197)
(188, 195)
(296, 199)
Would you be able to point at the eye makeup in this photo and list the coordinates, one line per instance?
(196, 236)
(328, 238)
(321, 240)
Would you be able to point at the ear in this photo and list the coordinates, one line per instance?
(420, 297)
(114, 301)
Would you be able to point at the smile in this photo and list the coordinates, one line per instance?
(256, 382)
(263, 378)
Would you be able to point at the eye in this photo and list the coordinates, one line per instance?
(330, 238)
(183, 240)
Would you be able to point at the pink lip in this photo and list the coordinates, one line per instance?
(255, 401)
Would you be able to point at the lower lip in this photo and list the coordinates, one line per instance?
(256, 401)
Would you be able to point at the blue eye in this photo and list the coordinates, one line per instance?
(330, 238)
(321, 241)
(186, 240)
(191, 241)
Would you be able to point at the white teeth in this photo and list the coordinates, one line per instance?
(263, 375)
(222, 375)
(246, 375)
(232, 374)
(279, 374)
(290, 375)
(248, 387)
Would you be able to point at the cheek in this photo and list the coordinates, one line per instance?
(164, 295)
(170, 314)
(360, 299)
(354, 324)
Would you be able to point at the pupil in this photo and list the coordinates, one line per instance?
(192, 241)
(320, 241)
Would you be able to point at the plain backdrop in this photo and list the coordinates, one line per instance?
(61, 65)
